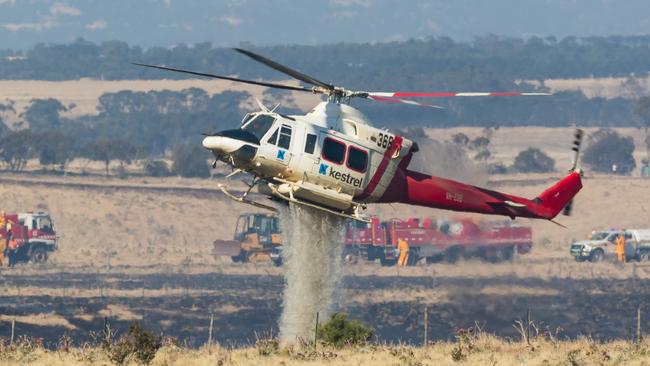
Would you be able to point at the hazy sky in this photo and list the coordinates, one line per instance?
(24, 23)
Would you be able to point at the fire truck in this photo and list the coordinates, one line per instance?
(257, 238)
(27, 237)
(437, 240)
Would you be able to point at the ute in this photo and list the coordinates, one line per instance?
(602, 245)
(27, 236)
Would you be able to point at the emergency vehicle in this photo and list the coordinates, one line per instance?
(26, 237)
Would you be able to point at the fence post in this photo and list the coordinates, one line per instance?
(316, 333)
(210, 330)
(106, 333)
(528, 328)
(426, 325)
(638, 324)
(13, 327)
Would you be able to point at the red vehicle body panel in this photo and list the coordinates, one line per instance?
(461, 232)
(20, 233)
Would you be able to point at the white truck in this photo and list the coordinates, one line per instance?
(641, 241)
(602, 245)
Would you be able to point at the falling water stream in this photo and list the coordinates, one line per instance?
(312, 268)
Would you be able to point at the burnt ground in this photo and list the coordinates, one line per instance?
(245, 306)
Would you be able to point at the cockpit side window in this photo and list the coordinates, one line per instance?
(285, 137)
(259, 126)
(274, 138)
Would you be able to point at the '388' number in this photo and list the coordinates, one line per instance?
(384, 140)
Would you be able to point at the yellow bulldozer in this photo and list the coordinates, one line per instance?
(256, 237)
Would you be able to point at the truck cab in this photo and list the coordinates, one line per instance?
(32, 237)
(255, 237)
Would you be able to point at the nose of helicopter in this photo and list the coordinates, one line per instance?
(228, 141)
(222, 144)
(239, 144)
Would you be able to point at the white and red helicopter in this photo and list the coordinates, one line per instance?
(333, 159)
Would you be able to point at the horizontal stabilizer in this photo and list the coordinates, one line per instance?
(514, 204)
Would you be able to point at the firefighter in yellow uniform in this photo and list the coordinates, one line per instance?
(620, 248)
(403, 249)
(3, 240)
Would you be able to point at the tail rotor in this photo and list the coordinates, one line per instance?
(577, 142)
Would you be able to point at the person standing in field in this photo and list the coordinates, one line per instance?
(3, 240)
(620, 248)
(403, 249)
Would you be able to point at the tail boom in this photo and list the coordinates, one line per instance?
(424, 190)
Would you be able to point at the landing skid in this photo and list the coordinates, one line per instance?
(243, 198)
(321, 208)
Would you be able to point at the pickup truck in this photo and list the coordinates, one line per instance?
(602, 245)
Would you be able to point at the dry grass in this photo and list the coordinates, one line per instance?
(468, 349)
(507, 142)
(123, 223)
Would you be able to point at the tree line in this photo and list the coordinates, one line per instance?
(130, 126)
(489, 61)
(146, 126)
(434, 64)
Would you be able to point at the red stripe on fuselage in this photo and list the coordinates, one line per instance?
(381, 169)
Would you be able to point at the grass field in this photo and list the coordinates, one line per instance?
(143, 222)
(475, 349)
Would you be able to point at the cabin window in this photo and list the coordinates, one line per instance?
(285, 137)
(333, 150)
(357, 159)
(259, 126)
(310, 144)
(274, 138)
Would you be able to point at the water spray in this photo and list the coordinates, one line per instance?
(312, 268)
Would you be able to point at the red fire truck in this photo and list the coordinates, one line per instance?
(258, 238)
(437, 240)
(27, 236)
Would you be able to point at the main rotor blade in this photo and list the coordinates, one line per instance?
(404, 101)
(293, 73)
(442, 95)
(260, 83)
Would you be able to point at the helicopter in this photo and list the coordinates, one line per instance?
(333, 159)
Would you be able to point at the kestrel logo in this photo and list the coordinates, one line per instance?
(323, 169)
(281, 154)
(343, 177)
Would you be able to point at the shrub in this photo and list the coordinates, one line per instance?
(339, 331)
(267, 346)
(138, 343)
(534, 160)
(156, 168)
(608, 148)
(190, 162)
(497, 168)
(460, 139)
